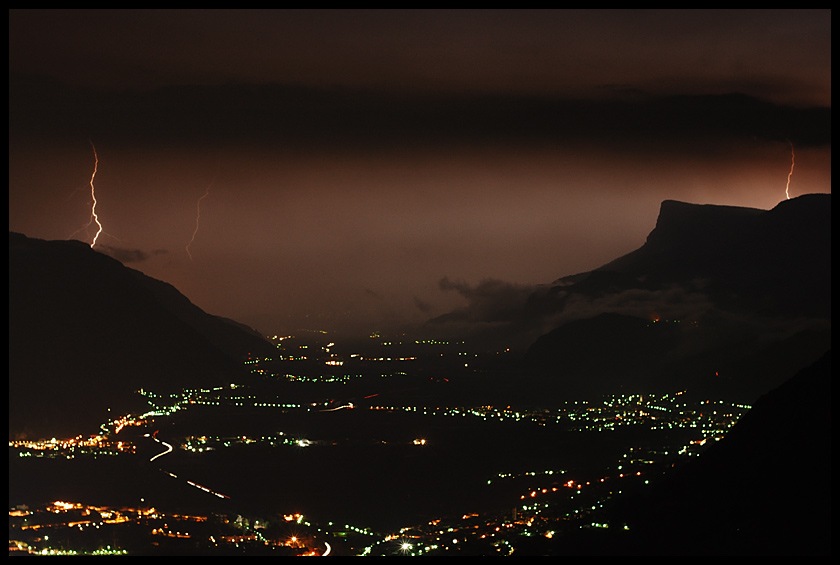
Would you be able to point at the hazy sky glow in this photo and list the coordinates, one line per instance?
(354, 160)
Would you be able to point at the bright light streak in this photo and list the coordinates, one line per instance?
(168, 449)
(93, 216)
(790, 174)
(327, 552)
(349, 405)
(207, 490)
(197, 217)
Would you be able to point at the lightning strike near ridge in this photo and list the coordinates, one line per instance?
(198, 217)
(93, 216)
(790, 174)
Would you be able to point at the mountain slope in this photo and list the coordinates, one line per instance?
(85, 332)
(765, 489)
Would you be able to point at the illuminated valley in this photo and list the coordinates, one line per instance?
(354, 453)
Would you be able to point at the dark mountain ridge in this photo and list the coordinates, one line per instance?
(86, 331)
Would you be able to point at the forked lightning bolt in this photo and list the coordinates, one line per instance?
(790, 174)
(198, 217)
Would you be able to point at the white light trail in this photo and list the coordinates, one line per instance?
(342, 407)
(196, 485)
(162, 453)
(207, 490)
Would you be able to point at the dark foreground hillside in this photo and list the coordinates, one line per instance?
(86, 331)
(765, 489)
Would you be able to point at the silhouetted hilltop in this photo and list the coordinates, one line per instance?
(85, 332)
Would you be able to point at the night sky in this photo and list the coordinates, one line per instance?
(359, 169)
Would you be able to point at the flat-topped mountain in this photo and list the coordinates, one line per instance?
(721, 298)
(777, 261)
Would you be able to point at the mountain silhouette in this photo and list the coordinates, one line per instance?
(727, 299)
(85, 332)
(775, 262)
(724, 300)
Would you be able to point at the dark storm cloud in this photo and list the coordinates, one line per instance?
(519, 312)
(501, 303)
(678, 301)
(277, 114)
(378, 76)
(517, 315)
(501, 51)
(423, 306)
(491, 300)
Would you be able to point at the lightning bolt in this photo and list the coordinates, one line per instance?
(93, 216)
(790, 174)
(198, 216)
